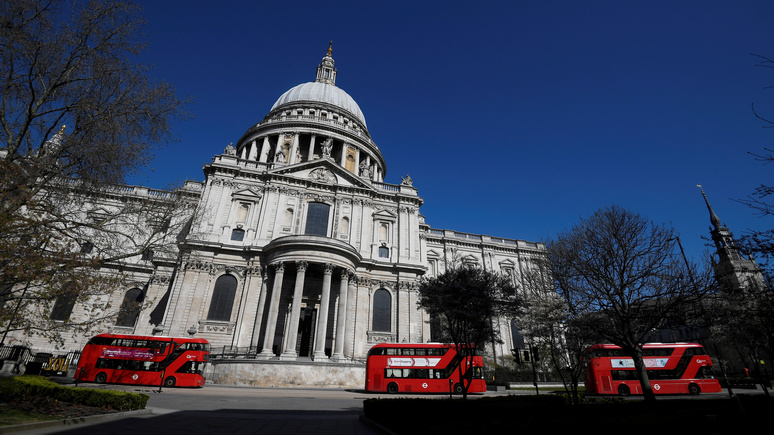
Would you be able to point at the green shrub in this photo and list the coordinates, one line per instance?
(26, 387)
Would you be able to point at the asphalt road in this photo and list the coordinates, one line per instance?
(249, 410)
(234, 410)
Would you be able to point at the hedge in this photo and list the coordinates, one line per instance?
(537, 414)
(25, 387)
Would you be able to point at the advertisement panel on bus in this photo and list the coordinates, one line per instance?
(423, 368)
(673, 368)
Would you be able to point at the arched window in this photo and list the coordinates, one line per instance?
(223, 298)
(63, 306)
(130, 308)
(317, 219)
(382, 311)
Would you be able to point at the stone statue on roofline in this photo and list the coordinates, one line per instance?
(327, 145)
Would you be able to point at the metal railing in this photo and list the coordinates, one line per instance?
(234, 352)
(27, 360)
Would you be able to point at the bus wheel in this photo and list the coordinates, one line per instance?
(101, 378)
(624, 390)
(694, 389)
(392, 388)
(169, 382)
(457, 388)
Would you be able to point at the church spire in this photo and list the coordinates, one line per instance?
(714, 219)
(733, 270)
(326, 71)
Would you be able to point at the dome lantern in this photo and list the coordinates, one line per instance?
(326, 71)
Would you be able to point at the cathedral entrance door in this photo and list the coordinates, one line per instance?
(306, 331)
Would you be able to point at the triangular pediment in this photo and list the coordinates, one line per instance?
(469, 260)
(385, 215)
(323, 171)
(507, 263)
(247, 194)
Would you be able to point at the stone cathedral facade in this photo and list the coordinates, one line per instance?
(299, 250)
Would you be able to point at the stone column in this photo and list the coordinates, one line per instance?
(271, 322)
(351, 319)
(311, 147)
(259, 311)
(341, 317)
(322, 315)
(293, 150)
(253, 151)
(289, 350)
(264, 150)
(278, 146)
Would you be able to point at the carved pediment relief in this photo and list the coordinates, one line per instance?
(323, 175)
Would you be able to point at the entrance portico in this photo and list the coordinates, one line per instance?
(311, 275)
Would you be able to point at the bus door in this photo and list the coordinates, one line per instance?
(606, 383)
(378, 380)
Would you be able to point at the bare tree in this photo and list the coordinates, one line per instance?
(761, 242)
(465, 301)
(744, 320)
(76, 115)
(743, 313)
(545, 318)
(74, 246)
(623, 278)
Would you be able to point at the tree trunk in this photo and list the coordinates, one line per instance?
(642, 374)
(463, 374)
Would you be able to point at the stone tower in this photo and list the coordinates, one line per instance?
(734, 270)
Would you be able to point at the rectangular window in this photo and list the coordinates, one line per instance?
(317, 219)
(237, 234)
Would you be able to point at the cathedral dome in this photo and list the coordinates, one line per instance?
(311, 121)
(321, 92)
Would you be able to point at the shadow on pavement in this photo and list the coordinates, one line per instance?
(230, 421)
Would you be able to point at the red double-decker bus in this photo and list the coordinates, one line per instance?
(423, 368)
(144, 360)
(673, 368)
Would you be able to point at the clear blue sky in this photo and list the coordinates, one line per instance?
(514, 119)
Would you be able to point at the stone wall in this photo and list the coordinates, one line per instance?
(286, 374)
